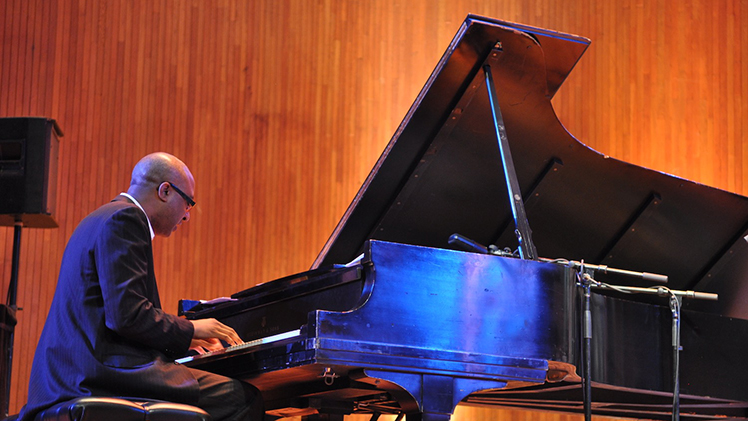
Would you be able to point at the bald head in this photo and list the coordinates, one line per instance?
(156, 168)
(152, 184)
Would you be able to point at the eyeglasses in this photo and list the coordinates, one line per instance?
(186, 198)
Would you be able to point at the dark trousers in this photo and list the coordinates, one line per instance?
(227, 399)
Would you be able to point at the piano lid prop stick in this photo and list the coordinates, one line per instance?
(522, 227)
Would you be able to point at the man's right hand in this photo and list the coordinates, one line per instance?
(212, 328)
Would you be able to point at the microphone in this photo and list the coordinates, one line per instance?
(646, 276)
(466, 244)
(463, 243)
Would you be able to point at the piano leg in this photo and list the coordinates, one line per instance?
(433, 397)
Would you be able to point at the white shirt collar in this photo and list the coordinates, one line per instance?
(150, 227)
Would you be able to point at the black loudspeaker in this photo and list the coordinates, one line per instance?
(28, 171)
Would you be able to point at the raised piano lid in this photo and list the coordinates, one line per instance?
(441, 174)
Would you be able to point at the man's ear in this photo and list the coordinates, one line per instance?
(163, 191)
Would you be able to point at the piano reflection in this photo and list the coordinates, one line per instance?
(392, 320)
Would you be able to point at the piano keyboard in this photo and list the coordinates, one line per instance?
(245, 345)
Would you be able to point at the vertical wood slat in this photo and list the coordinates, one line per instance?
(281, 108)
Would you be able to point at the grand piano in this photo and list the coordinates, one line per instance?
(393, 319)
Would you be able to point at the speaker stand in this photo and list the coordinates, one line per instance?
(8, 322)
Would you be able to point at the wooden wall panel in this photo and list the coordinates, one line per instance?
(281, 108)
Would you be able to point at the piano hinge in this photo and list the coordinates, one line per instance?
(329, 376)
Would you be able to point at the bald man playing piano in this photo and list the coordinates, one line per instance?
(106, 334)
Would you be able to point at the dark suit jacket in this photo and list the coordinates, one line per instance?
(106, 334)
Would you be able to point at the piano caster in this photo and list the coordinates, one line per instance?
(329, 376)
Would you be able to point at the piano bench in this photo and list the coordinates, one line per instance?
(91, 408)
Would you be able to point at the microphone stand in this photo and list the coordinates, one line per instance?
(586, 281)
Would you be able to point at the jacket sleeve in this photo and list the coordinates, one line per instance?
(123, 254)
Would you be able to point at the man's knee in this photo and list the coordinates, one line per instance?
(229, 399)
